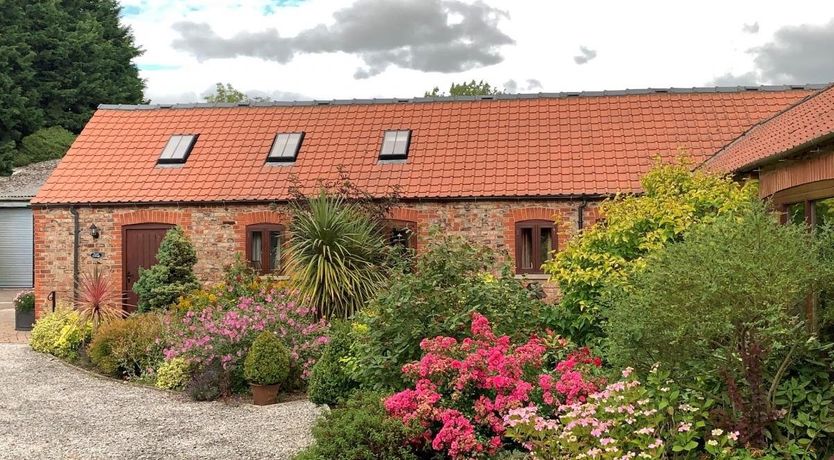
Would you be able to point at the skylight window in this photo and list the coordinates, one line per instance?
(285, 147)
(395, 145)
(178, 148)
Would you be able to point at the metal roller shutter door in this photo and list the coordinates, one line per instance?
(16, 247)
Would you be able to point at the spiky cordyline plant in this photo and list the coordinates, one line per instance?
(335, 257)
(98, 299)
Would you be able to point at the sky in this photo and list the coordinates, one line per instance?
(327, 49)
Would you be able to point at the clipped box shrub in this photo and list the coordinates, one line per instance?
(61, 334)
(128, 348)
(330, 381)
(268, 362)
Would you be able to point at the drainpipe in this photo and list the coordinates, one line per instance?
(76, 234)
(580, 211)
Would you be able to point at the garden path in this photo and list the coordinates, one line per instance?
(51, 410)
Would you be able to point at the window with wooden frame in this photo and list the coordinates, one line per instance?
(534, 241)
(263, 247)
(815, 214)
(400, 233)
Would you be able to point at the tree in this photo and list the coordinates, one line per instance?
(473, 88)
(172, 277)
(674, 199)
(44, 144)
(336, 254)
(726, 302)
(7, 157)
(226, 93)
(59, 61)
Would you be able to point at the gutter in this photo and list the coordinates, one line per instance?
(137, 204)
(76, 236)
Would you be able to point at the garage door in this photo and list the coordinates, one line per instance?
(15, 247)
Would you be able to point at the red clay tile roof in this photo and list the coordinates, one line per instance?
(805, 123)
(520, 146)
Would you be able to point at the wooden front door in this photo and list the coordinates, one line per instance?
(140, 244)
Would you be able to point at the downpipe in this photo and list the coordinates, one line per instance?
(76, 242)
(580, 217)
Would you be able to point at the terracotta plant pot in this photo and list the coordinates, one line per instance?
(264, 395)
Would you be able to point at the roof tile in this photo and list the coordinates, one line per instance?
(807, 121)
(542, 146)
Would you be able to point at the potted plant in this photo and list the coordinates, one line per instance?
(266, 367)
(24, 311)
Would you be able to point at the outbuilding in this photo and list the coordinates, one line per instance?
(16, 230)
(519, 173)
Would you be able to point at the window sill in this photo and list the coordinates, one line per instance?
(533, 276)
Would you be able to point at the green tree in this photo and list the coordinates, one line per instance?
(172, 277)
(472, 88)
(226, 93)
(336, 254)
(674, 198)
(44, 144)
(59, 60)
(728, 303)
(7, 158)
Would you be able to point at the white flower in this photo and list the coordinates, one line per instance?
(712, 442)
(717, 432)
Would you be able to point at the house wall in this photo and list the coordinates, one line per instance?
(218, 233)
(782, 176)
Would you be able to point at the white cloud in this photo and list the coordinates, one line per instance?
(651, 47)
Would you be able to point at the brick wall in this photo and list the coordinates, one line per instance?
(218, 232)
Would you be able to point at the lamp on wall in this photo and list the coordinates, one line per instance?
(94, 232)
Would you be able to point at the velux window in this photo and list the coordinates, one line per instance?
(395, 145)
(263, 247)
(285, 147)
(534, 240)
(178, 148)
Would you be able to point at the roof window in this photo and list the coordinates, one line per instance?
(395, 145)
(178, 148)
(285, 147)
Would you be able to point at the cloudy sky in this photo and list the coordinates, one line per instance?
(328, 49)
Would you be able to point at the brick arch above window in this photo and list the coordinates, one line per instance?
(246, 219)
(559, 216)
(419, 221)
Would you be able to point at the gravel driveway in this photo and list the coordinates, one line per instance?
(51, 410)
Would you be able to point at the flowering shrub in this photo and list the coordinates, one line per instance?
(239, 280)
(225, 333)
(626, 419)
(464, 389)
(24, 301)
(436, 296)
